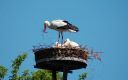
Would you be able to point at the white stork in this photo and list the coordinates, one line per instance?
(60, 26)
(71, 44)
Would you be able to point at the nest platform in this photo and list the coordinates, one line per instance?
(60, 59)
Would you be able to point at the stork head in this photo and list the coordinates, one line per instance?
(46, 24)
(67, 40)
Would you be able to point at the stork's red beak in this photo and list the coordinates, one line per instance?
(44, 28)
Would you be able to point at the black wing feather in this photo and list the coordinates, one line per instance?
(68, 26)
(67, 22)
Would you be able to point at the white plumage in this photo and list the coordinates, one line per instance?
(67, 44)
(58, 45)
(58, 23)
(70, 44)
(60, 26)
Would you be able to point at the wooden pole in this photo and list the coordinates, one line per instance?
(54, 75)
(65, 74)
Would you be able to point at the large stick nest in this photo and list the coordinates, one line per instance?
(57, 58)
(61, 52)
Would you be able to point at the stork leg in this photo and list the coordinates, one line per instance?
(62, 37)
(58, 39)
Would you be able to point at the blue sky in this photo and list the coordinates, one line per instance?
(103, 26)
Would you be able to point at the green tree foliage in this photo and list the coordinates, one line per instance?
(82, 76)
(3, 72)
(26, 75)
(44, 75)
(16, 65)
(59, 76)
(41, 75)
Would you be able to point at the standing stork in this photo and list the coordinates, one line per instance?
(60, 26)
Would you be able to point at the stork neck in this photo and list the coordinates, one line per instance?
(48, 24)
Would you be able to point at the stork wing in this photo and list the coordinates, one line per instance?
(67, 22)
(58, 23)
